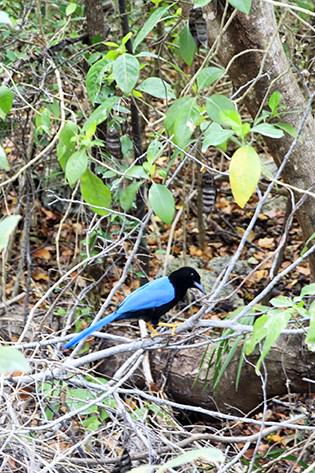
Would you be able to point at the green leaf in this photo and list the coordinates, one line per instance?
(136, 171)
(91, 423)
(266, 129)
(162, 202)
(310, 337)
(187, 45)
(4, 164)
(94, 78)
(308, 290)
(42, 121)
(210, 454)
(281, 301)
(274, 102)
(232, 119)
(99, 115)
(268, 326)
(76, 166)
(148, 26)
(243, 6)
(215, 135)
(71, 8)
(157, 88)
(12, 360)
(208, 76)
(154, 151)
(181, 119)
(287, 128)
(77, 398)
(6, 101)
(5, 19)
(201, 3)
(126, 72)
(66, 144)
(94, 192)
(7, 227)
(244, 172)
(216, 104)
(128, 195)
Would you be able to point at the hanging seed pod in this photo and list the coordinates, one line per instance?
(113, 141)
(124, 464)
(209, 192)
(198, 27)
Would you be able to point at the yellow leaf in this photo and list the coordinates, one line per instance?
(245, 170)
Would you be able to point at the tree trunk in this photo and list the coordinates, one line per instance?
(271, 71)
(178, 371)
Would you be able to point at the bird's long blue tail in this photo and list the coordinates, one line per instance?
(92, 328)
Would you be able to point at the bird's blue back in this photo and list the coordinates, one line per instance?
(152, 295)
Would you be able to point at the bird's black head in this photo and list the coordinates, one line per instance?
(185, 278)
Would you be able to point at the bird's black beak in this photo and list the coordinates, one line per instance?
(199, 286)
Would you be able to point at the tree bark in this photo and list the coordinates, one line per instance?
(179, 372)
(270, 70)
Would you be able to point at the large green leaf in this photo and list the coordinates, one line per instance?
(6, 101)
(4, 164)
(310, 337)
(209, 454)
(99, 115)
(244, 172)
(126, 70)
(157, 88)
(215, 135)
(66, 144)
(7, 227)
(94, 192)
(243, 6)
(94, 78)
(148, 26)
(269, 327)
(128, 195)
(208, 76)
(12, 360)
(274, 102)
(187, 45)
(162, 202)
(76, 166)
(216, 104)
(267, 129)
(181, 119)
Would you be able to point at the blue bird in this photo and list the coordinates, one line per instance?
(149, 302)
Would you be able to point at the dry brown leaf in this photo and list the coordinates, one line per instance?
(43, 253)
(267, 243)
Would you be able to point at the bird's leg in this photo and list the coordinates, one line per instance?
(154, 332)
(173, 326)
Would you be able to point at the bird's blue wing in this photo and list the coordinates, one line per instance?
(153, 294)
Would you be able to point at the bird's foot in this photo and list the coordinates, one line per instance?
(173, 326)
(154, 332)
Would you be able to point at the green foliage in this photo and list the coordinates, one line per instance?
(216, 105)
(7, 227)
(12, 360)
(6, 101)
(157, 88)
(243, 6)
(4, 164)
(95, 193)
(181, 119)
(149, 24)
(208, 76)
(126, 70)
(128, 195)
(310, 337)
(187, 45)
(76, 166)
(162, 202)
(205, 454)
(67, 143)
